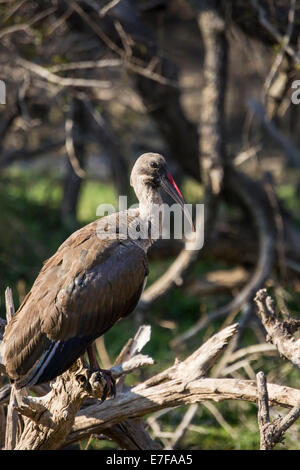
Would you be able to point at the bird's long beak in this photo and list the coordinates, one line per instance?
(169, 186)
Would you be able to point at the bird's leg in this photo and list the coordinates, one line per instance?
(110, 387)
(92, 357)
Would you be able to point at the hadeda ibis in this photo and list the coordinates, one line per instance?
(85, 287)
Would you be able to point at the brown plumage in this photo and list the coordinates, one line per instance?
(84, 288)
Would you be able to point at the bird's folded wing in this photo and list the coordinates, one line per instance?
(85, 287)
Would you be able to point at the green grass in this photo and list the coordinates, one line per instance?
(288, 194)
(92, 194)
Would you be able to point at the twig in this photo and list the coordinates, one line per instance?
(62, 81)
(10, 308)
(133, 363)
(10, 156)
(273, 31)
(253, 349)
(134, 64)
(219, 418)
(290, 150)
(215, 282)
(284, 45)
(86, 64)
(27, 26)
(70, 148)
(59, 22)
(174, 276)
(131, 433)
(12, 11)
(184, 425)
(104, 10)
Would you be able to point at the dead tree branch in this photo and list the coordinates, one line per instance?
(290, 150)
(279, 332)
(119, 418)
(63, 81)
(75, 128)
(171, 394)
(172, 387)
(131, 434)
(257, 203)
(271, 433)
(274, 33)
(14, 422)
(211, 116)
(48, 419)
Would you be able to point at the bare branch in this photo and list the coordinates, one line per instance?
(258, 204)
(108, 7)
(62, 81)
(263, 410)
(27, 26)
(134, 403)
(183, 426)
(271, 433)
(134, 363)
(14, 422)
(290, 150)
(284, 45)
(136, 65)
(274, 33)
(174, 276)
(278, 331)
(167, 389)
(70, 148)
(86, 64)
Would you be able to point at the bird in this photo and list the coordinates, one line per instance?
(89, 284)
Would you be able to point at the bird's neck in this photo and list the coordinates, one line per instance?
(149, 200)
(150, 212)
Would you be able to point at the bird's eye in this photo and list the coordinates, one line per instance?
(154, 164)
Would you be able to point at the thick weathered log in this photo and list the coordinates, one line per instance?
(48, 419)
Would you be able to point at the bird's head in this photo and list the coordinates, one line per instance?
(151, 170)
